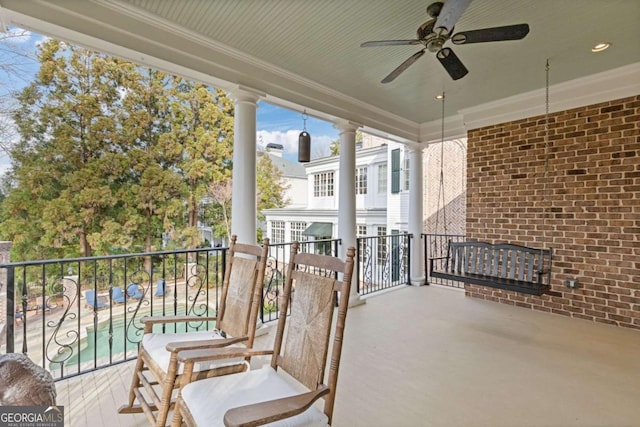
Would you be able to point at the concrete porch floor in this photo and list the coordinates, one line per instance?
(430, 356)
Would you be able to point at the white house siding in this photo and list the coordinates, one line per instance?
(296, 194)
(398, 203)
(391, 210)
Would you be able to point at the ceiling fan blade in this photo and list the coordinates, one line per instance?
(390, 43)
(496, 34)
(450, 13)
(406, 64)
(452, 63)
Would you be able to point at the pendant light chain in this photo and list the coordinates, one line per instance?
(441, 187)
(545, 194)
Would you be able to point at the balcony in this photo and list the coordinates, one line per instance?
(431, 356)
(415, 356)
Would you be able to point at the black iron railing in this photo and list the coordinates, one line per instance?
(76, 315)
(383, 262)
(435, 245)
(277, 267)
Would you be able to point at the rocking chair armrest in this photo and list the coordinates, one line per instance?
(175, 347)
(209, 354)
(438, 257)
(153, 320)
(272, 410)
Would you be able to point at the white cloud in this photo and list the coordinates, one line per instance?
(16, 35)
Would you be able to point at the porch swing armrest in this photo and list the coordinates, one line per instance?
(431, 262)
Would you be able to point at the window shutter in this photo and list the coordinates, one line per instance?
(395, 171)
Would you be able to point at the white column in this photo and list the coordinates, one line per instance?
(243, 195)
(347, 196)
(416, 178)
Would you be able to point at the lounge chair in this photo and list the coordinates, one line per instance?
(235, 322)
(265, 395)
(133, 291)
(160, 288)
(42, 303)
(92, 302)
(117, 296)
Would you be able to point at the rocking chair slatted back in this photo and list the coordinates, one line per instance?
(303, 353)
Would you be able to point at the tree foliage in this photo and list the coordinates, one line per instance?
(270, 186)
(111, 156)
(334, 147)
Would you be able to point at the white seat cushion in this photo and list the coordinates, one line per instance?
(208, 400)
(156, 346)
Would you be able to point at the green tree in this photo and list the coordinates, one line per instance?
(152, 200)
(334, 148)
(270, 186)
(202, 123)
(63, 170)
(110, 156)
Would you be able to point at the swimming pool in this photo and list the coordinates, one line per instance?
(94, 349)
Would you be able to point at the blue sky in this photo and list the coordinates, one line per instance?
(282, 126)
(275, 124)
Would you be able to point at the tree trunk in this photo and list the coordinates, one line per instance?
(85, 248)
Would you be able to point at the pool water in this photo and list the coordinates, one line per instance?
(95, 346)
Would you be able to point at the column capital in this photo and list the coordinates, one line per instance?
(241, 94)
(345, 126)
(415, 146)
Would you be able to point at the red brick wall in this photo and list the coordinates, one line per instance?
(453, 194)
(590, 217)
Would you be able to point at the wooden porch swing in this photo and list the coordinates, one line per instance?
(504, 266)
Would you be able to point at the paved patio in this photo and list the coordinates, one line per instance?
(430, 356)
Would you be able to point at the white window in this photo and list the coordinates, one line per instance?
(406, 170)
(361, 180)
(296, 230)
(323, 184)
(382, 179)
(361, 231)
(277, 231)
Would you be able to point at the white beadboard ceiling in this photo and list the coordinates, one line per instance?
(307, 54)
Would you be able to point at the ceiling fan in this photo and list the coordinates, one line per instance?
(435, 32)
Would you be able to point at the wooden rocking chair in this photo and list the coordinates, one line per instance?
(157, 363)
(266, 395)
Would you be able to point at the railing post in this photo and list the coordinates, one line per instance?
(357, 266)
(11, 314)
(408, 240)
(425, 245)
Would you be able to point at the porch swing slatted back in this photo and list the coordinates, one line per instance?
(505, 266)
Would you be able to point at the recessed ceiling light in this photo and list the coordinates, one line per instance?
(440, 97)
(600, 47)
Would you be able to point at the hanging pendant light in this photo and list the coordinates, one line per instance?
(304, 142)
